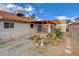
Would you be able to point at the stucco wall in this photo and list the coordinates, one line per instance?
(62, 27)
(19, 29)
(0, 29)
(74, 32)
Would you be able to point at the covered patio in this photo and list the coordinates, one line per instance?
(45, 26)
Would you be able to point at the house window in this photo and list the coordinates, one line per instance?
(8, 25)
(31, 25)
(11, 25)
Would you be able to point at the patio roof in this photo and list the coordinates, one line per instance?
(46, 22)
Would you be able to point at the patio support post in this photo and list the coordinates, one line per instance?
(49, 28)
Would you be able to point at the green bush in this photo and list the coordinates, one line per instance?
(58, 35)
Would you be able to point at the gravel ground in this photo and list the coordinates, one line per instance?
(25, 47)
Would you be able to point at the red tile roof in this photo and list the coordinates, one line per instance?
(13, 17)
(5, 16)
(47, 21)
(55, 21)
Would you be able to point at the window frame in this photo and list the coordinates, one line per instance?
(31, 25)
(9, 25)
(6, 26)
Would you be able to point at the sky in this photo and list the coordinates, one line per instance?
(44, 11)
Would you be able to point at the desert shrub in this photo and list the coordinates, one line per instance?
(54, 38)
(58, 35)
(46, 41)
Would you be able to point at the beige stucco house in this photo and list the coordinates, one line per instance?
(12, 25)
(16, 25)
